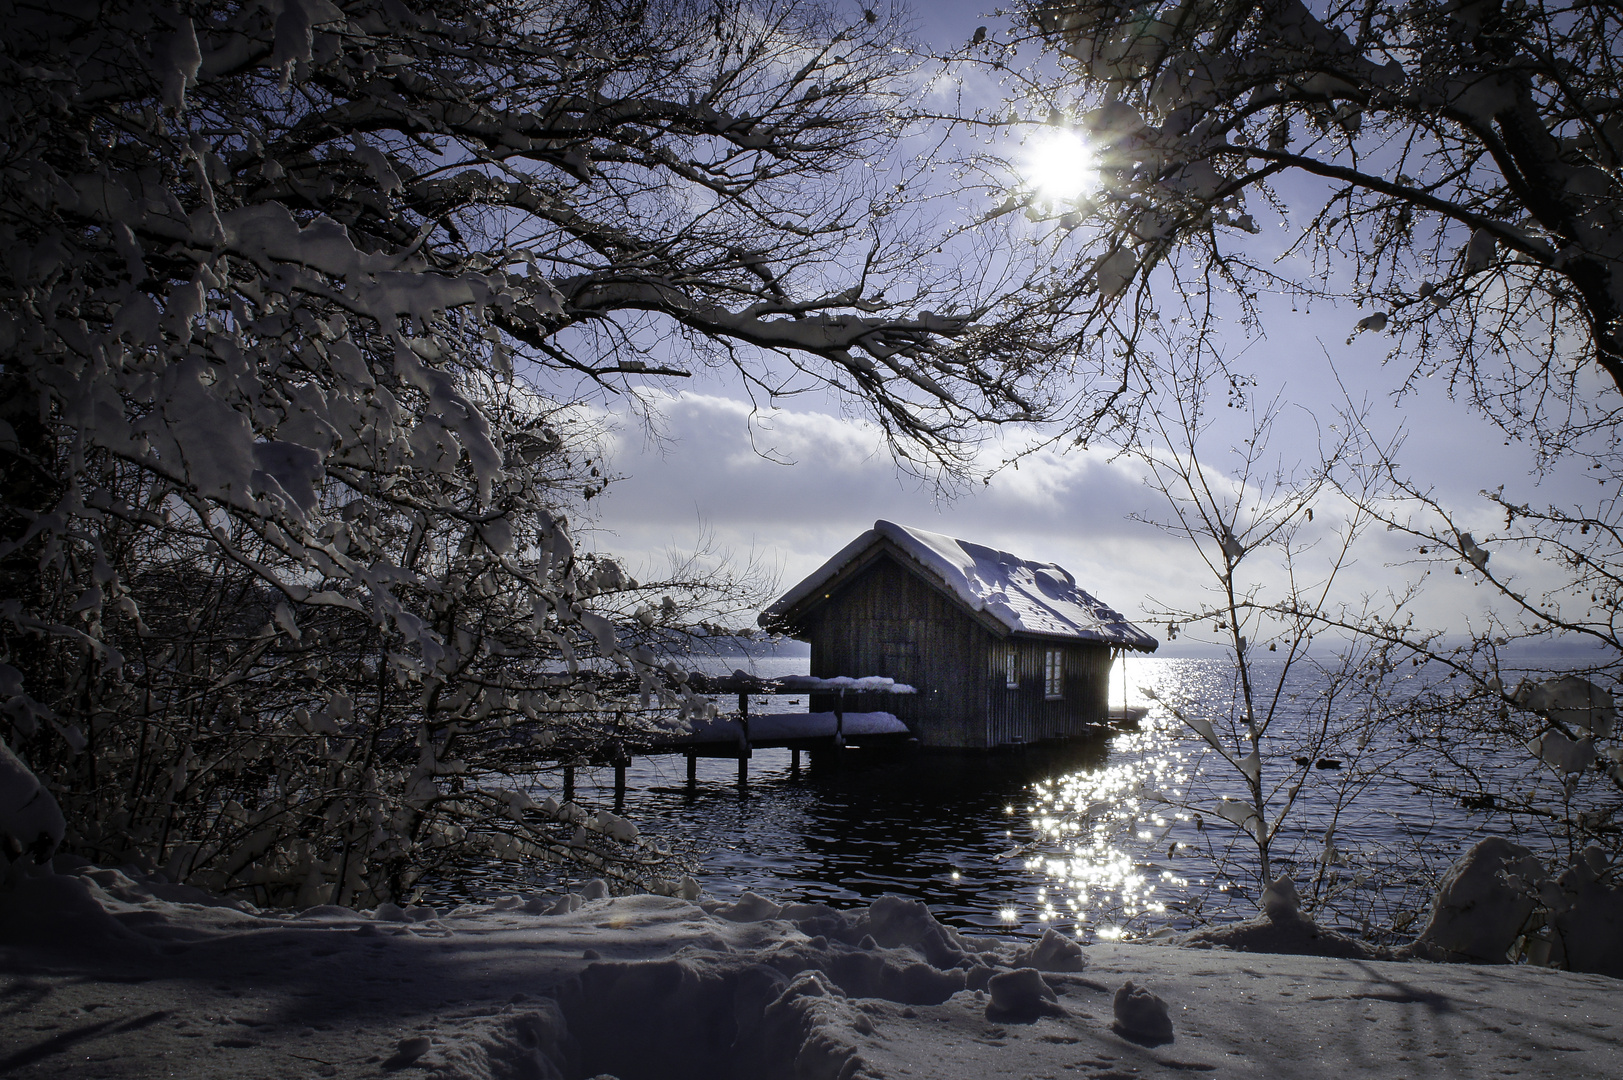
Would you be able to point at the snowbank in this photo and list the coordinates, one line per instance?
(1281, 927)
(107, 973)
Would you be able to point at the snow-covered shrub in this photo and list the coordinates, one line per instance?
(1584, 912)
(338, 749)
(1479, 912)
(1499, 903)
(297, 299)
(30, 821)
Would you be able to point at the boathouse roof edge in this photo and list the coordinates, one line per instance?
(1007, 594)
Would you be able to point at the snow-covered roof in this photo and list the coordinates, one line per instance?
(1026, 597)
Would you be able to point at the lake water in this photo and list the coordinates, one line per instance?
(1105, 838)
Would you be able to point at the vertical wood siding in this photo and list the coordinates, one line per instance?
(887, 621)
(1025, 714)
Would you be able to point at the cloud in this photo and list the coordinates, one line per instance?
(790, 487)
(795, 486)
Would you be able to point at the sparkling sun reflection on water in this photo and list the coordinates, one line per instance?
(1109, 839)
(1135, 845)
(1094, 822)
(1123, 848)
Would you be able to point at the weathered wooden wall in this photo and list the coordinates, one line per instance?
(1025, 714)
(886, 620)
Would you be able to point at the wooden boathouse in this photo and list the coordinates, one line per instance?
(1002, 650)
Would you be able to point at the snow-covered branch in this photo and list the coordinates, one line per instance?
(285, 412)
(1464, 158)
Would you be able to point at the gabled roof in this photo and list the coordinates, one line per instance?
(1020, 596)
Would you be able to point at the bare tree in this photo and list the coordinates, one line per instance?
(1449, 167)
(1551, 573)
(1301, 732)
(296, 300)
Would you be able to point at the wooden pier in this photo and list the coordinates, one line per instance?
(740, 734)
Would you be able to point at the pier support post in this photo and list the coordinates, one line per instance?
(794, 762)
(744, 750)
(569, 782)
(693, 768)
(619, 783)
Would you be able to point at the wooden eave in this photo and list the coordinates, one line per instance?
(1067, 639)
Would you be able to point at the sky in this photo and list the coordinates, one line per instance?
(788, 488)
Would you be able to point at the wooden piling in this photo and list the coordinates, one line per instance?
(569, 782)
(693, 768)
(744, 750)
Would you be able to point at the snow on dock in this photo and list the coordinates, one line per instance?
(739, 735)
(786, 729)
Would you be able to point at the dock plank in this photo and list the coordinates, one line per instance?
(770, 730)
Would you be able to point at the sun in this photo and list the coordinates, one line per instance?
(1060, 165)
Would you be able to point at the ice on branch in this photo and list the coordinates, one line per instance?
(1561, 753)
(1474, 554)
(1240, 812)
(1571, 700)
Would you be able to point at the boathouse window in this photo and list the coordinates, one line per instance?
(1011, 669)
(1054, 675)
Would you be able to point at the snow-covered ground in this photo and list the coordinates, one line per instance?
(104, 973)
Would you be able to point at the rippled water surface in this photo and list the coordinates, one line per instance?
(1100, 838)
